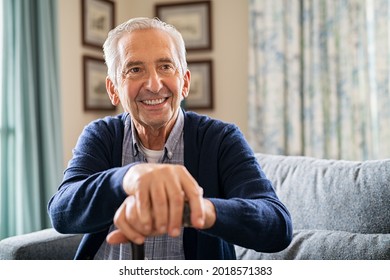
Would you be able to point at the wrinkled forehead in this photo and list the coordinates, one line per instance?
(145, 45)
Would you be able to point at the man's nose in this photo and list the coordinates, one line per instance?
(153, 81)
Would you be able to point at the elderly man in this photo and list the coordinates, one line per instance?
(131, 175)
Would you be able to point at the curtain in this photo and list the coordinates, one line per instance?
(319, 78)
(30, 125)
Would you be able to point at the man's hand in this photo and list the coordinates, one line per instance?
(157, 193)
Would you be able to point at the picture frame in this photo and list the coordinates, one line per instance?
(95, 94)
(201, 89)
(98, 18)
(192, 20)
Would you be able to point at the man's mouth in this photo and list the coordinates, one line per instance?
(153, 102)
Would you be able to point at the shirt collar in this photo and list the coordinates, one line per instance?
(173, 138)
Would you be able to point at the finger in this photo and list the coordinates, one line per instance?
(129, 232)
(137, 182)
(210, 213)
(159, 207)
(144, 208)
(116, 237)
(194, 196)
(176, 206)
(197, 211)
(125, 221)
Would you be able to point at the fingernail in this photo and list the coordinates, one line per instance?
(147, 228)
(175, 232)
(139, 240)
(163, 229)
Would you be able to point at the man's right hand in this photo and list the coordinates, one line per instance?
(157, 193)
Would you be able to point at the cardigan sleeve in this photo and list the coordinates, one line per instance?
(91, 189)
(249, 213)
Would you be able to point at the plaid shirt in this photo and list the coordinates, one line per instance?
(161, 247)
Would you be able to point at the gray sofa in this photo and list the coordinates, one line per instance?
(340, 210)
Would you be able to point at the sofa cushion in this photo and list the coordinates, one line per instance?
(327, 245)
(332, 194)
(40, 245)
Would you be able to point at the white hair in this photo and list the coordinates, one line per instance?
(110, 46)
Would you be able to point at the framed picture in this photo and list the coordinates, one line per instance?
(95, 94)
(98, 18)
(192, 19)
(201, 89)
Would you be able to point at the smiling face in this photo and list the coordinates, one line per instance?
(150, 84)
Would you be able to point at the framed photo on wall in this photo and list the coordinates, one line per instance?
(192, 19)
(95, 94)
(98, 18)
(201, 89)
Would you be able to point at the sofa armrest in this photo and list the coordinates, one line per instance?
(45, 244)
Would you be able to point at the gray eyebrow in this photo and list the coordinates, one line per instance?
(130, 64)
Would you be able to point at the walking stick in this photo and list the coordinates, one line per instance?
(138, 251)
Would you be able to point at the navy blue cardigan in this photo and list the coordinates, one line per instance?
(248, 211)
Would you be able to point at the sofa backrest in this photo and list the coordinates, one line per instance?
(332, 194)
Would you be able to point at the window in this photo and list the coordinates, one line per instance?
(1, 48)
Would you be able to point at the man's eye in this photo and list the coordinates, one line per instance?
(167, 68)
(134, 70)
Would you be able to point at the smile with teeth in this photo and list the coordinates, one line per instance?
(153, 101)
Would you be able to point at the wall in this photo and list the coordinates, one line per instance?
(229, 55)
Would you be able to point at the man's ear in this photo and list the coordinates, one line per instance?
(186, 85)
(112, 92)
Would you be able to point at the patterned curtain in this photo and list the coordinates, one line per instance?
(319, 78)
